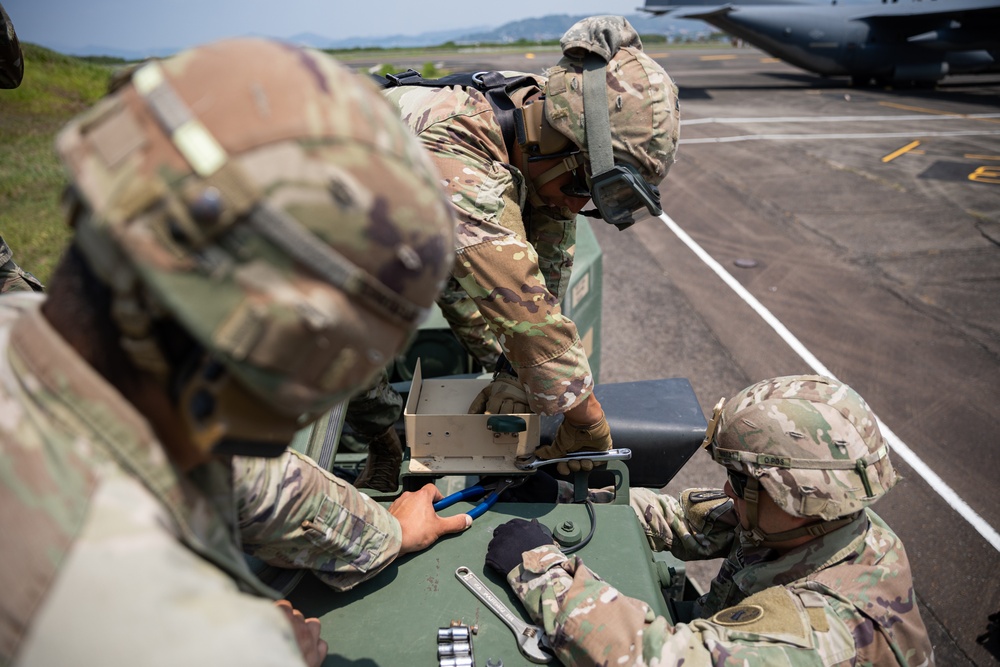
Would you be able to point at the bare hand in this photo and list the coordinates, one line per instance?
(314, 649)
(420, 523)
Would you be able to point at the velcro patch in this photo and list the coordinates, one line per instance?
(741, 614)
(773, 613)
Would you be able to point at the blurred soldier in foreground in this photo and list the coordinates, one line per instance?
(520, 155)
(255, 234)
(811, 575)
(11, 60)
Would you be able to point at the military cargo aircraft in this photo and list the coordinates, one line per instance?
(885, 41)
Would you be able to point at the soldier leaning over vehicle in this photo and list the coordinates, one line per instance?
(520, 155)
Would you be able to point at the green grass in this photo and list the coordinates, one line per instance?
(55, 88)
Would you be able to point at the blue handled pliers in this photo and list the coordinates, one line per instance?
(477, 490)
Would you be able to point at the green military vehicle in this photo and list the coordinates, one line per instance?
(422, 610)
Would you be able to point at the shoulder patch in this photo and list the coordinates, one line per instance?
(774, 614)
(741, 614)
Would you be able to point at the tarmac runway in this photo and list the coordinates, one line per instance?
(868, 221)
(873, 219)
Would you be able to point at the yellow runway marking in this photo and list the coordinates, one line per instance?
(986, 175)
(905, 149)
(718, 57)
(936, 112)
(770, 60)
(973, 156)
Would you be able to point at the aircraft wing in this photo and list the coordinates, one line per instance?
(680, 8)
(950, 26)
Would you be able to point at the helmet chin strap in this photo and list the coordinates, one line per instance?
(757, 537)
(566, 165)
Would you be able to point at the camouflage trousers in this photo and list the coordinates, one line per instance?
(374, 409)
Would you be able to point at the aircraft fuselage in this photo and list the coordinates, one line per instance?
(895, 45)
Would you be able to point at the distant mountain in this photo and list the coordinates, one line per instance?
(533, 29)
(553, 27)
(125, 54)
(433, 38)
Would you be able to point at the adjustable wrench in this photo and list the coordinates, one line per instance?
(530, 639)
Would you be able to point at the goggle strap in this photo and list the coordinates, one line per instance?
(597, 119)
(289, 235)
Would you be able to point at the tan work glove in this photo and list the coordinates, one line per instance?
(504, 396)
(573, 438)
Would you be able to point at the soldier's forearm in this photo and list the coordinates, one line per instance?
(294, 514)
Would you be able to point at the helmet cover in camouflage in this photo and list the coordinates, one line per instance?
(802, 437)
(642, 99)
(271, 202)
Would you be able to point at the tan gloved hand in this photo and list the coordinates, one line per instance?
(504, 396)
(573, 438)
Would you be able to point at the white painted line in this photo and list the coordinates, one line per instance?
(869, 135)
(897, 445)
(835, 119)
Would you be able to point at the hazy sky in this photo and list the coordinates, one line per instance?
(150, 24)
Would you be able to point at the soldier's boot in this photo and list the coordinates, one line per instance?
(385, 458)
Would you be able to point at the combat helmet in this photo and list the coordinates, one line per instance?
(271, 203)
(811, 442)
(610, 99)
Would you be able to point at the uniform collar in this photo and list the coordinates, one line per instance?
(843, 544)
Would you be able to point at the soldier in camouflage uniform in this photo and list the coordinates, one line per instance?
(255, 234)
(811, 575)
(12, 276)
(517, 203)
(11, 60)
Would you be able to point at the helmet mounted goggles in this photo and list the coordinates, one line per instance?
(620, 195)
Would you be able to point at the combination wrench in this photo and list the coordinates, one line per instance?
(531, 640)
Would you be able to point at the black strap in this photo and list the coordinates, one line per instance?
(495, 86)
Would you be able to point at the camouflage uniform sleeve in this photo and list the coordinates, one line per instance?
(589, 622)
(503, 274)
(697, 526)
(503, 278)
(294, 514)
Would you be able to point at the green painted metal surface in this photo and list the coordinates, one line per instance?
(393, 619)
